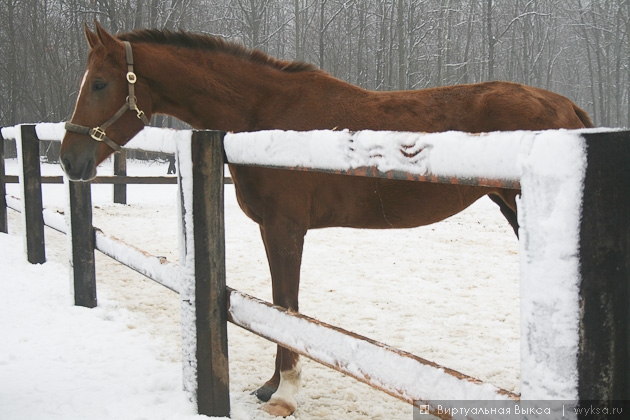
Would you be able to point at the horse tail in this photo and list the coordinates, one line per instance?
(583, 116)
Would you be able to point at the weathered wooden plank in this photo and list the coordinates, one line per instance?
(120, 169)
(210, 297)
(372, 172)
(32, 193)
(603, 358)
(121, 180)
(82, 243)
(150, 180)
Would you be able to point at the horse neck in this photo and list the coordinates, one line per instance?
(212, 90)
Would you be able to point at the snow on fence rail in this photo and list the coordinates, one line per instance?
(54, 132)
(452, 157)
(575, 279)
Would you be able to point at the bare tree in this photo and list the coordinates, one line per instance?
(578, 48)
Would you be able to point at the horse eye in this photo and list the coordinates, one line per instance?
(99, 85)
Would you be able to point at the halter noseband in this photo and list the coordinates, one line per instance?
(98, 133)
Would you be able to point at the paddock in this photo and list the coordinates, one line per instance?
(346, 274)
(392, 317)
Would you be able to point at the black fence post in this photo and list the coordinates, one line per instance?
(4, 228)
(213, 394)
(82, 240)
(120, 169)
(604, 355)
(32, 196)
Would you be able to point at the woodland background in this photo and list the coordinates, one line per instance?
(578, 48)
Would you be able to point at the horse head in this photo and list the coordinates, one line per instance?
(108, 109)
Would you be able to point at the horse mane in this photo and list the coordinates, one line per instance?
(215, 44)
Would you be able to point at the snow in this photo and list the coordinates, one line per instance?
(157, 139)
(10, 132)
(553, 174)
(59, 361)
(50, 131)
(448, 293)
(487, 155)
(187, 259)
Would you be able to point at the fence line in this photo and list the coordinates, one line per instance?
(116, 180)
(563, 359)
(53, 132)
(575, 262)
(196, 278)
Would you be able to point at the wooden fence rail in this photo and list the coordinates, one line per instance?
(116, 180)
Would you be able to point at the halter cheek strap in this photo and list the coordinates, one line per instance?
(131, 103)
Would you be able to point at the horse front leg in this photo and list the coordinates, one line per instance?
(284, 244)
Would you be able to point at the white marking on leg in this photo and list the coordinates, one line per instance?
(282, 402)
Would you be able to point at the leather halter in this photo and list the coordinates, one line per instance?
(98, 133)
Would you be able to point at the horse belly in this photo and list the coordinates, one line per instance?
(390, 204)
(317, 200)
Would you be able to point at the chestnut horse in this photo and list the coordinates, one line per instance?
(213, 84)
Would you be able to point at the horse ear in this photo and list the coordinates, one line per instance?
(105, 38)
(92, 38)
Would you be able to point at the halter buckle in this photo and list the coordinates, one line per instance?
(97, 134)
(131, 77)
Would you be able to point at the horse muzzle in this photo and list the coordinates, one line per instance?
(81, 165)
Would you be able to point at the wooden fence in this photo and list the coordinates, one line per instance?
(575, 252)
(590, 362)
(201, 262)
(120, 180)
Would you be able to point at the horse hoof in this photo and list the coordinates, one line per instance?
(265, 392)
(278, 408)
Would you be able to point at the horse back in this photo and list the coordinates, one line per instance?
(476, 108)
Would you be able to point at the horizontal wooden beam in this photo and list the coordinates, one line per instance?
(14, 179)
(158, 269)
(373, 172)
(406, 377)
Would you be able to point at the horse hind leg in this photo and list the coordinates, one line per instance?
(284, 243)
(506, 200)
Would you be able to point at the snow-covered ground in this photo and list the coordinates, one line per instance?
(448, 292)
